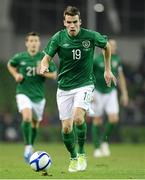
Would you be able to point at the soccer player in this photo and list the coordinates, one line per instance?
(24, 67)
(106, 101)
(75, 48)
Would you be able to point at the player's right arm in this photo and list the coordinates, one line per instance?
(51, 72)
(17, 76)
(45, 64)
(49, 51)
(51, 75)
(12, 65)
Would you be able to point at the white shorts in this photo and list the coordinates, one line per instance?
(107, 103)
(24, 101)
(68, 100)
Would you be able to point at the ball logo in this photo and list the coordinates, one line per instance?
(86, 44)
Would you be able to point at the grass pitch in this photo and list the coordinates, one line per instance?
(126, 162)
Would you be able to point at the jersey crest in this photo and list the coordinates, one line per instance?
(86, 44)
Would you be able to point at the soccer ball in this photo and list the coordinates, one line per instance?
(40, 161)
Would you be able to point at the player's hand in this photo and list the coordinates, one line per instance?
(38, 69)
(43, 69)
(109, 77)
(19, 77)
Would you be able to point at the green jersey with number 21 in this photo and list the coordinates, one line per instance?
(33, 84)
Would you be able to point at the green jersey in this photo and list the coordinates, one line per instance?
(76, 56)
(33, 84)
(98, 69)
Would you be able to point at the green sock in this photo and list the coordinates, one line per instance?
(34, 135)
(69, 141)
(108, 131)
(26, 129)
(81, 131)
(96, 135)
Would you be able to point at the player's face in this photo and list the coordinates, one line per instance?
(72, 24)
(33, 44)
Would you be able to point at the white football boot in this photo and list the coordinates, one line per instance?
(105, 149)
(28, 152)
(82, 162)
(73, 165)
(98, 153)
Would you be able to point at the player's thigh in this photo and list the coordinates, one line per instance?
(65, 104)
(112, 105)
(24, 106)
(38, 109)
(83, 97)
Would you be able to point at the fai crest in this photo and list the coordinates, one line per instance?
(86, 44)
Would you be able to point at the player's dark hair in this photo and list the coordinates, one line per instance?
(31, 34)
(71, 11)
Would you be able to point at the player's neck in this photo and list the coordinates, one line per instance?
(73, 36)
(32, 53)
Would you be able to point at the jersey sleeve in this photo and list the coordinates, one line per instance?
(100, 40)
(52, 66)
(52, 45)
(14, 61)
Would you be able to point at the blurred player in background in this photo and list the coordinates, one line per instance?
(75, 48)
(25, 68)
(106, 100)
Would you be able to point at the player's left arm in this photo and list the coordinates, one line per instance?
(108, 75)
(123, 87)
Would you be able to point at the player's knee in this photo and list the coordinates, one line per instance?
(35, 124)
(78, 119)
(27, 119)
(115, 121)
(97, 121)
(27, 115)
(114, 118)
(67, 129)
